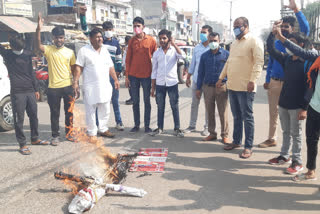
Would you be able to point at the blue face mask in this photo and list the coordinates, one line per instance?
(203, 37)
(237, 31)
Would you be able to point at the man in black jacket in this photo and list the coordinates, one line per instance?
(24, 91)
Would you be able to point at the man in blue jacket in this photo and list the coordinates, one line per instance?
(274, 77)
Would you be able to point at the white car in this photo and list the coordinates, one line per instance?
(6, 115)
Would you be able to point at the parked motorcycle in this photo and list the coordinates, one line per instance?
(42, 77)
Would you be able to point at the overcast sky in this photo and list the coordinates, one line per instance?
(258, 12)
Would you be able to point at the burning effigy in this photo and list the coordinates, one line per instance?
(101, 171)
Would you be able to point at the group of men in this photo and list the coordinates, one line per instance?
(221, 77)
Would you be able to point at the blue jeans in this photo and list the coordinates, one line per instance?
(135, 92)
(173, 93)
(115, 104)
(242, 111)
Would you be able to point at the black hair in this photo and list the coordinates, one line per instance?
(289, 19)
(214, 34)
(300, 37)
(127, 38)
(17, 42)
(165, 32)
(245, 21)
(138, 20)
(58, 31)
(94, 32)
(207, 27)
(107, 25)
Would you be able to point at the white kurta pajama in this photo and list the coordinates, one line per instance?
(97, 90)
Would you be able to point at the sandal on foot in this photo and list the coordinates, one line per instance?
(41, 142)
(25, 151)
(231, 146)
(245, 154)
(304, 177)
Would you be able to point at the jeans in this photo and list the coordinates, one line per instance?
(135, 92)
(242, 110)
(54, 100)
(173, 93)
(21, 103)
(195, 107)
(312, 132)
(115, 105)
(291, 128)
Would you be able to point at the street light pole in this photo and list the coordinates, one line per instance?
(230, 17)
(198, 28)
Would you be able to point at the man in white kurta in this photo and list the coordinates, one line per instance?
(96, 64)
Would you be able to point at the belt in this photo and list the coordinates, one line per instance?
(211, 85)
(276, 79)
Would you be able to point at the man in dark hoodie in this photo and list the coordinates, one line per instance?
(292, 106)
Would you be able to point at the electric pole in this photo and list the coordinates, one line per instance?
(230, 18)
(198, 19)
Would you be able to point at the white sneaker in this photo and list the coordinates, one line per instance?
(205, 132)
(189, 130)
(120, 127)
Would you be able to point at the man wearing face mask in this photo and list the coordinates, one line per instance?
(193, 71)
(24, 91)
(138, 72)
(274, 77)
(210, 67)
(61, 62)
(242, 68)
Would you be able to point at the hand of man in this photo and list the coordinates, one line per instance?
(40, 21)
(116, 84)
(188, 83)
(83, 10)
(219, 84)
(266, 85)
(127, 82)
(302, 115)
(152, 92)
(276, 27)
(250, 87)
(198, 94)
(76, 89)
(292, 5)
(37, 95)
(172, 40)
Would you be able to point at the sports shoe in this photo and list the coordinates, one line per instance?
(279, 160)
(147, 130)
(267, 143)
(205, 132)
(189, 130)
(134, 129)
(129, 102)
(120, 127)
(54, 141)
(156, 132)
(107, 134)
(178, 133)
(294, 169)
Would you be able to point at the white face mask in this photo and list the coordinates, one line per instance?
(289, 52)
(213, 45)
(18, 52)
(108, 34)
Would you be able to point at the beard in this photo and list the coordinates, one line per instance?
(285, 33)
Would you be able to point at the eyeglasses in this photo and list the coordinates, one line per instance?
(284, 26)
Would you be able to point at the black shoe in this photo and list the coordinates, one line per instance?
(147, 130)
(156, 132)
(134, 129)
(129, 102)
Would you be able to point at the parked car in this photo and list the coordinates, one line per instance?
(183, 64)
(6, 115)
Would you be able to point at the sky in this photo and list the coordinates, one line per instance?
(258, 12)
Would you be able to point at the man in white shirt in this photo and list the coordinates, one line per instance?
(95, 63)
(164, 79)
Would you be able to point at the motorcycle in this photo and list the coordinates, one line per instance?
(42, 77)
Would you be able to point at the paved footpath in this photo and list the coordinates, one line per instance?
(200, 176)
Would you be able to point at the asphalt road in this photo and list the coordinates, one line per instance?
(200, 177)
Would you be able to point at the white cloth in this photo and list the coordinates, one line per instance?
(103, 117)
(96, 66)
(164, 67)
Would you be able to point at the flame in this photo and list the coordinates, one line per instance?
(102, 158)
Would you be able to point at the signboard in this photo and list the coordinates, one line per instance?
(13, 8)
(61, 3)
(86, 2)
